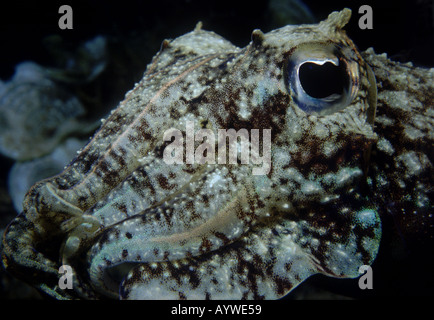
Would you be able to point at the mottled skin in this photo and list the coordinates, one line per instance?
(134, 227)
(401, 172)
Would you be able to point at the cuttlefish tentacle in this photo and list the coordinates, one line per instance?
(267, 262)
(209, 214)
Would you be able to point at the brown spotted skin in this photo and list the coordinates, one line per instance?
(401, 171)
(133, 227)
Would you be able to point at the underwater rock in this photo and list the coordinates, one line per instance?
(284, 12)
(81, 66)
(36, 113)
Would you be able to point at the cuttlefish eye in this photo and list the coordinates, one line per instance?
(321, 79)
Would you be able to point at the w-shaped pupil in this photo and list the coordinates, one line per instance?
(322, 81)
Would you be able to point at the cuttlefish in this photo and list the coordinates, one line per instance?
(300, 143)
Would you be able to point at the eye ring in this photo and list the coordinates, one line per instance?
(320, 79)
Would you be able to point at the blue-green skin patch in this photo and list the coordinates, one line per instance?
(133, 227)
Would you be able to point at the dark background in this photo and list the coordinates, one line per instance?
(404, 29)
